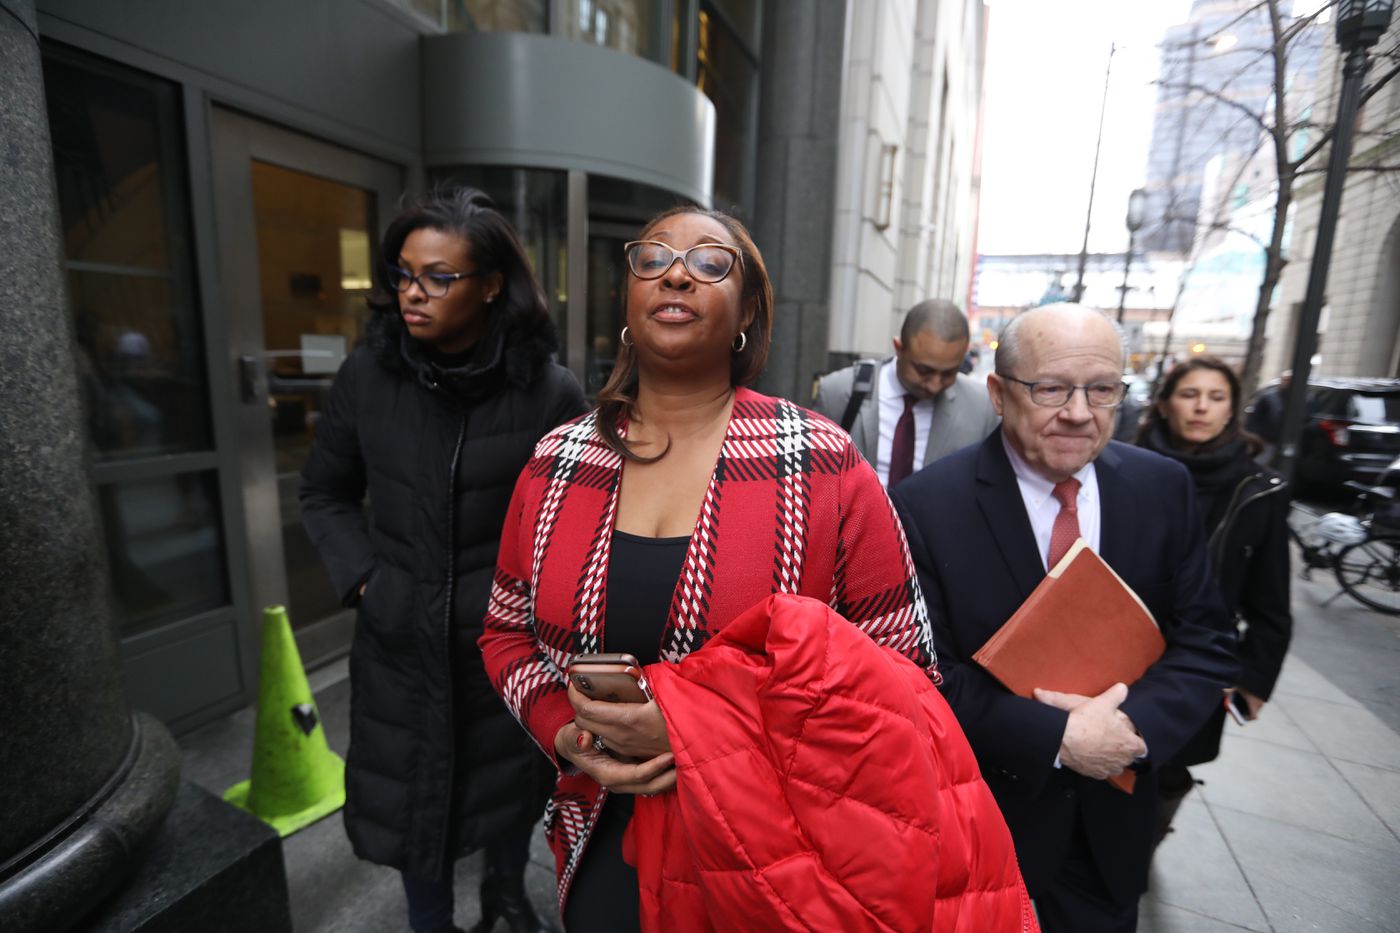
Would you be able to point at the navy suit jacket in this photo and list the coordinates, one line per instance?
(977, 561)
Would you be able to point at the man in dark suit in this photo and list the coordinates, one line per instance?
(983, 525)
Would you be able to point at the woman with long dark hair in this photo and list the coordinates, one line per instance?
(1196, 421)
(434, 416)
(715, 534)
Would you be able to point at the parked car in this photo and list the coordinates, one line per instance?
(1351, 431)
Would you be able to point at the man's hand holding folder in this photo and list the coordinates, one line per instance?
(1099, 741)
(1077, 640)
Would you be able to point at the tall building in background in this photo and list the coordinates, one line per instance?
(1214, 66)
(906, 195)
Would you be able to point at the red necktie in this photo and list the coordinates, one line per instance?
(902, 448)
(1066, 527)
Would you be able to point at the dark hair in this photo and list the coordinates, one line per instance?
(491, 243)
(1234, 428)
(938, 317)
(617, 398)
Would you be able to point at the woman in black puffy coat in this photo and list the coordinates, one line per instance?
(434, 416)
(1196, 421)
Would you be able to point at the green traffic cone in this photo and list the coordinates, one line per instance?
(296, 778)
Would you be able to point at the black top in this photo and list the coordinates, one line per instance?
(642, 575)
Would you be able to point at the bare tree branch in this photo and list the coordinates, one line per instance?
(1301, 23)
(1374, 169)
(1220, 98)
(1326, 137)
(1221, 226)
(1239, 18)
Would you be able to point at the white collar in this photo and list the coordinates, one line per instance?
(1035, 488)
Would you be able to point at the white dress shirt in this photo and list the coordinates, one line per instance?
(891, 410)
(1038, 493)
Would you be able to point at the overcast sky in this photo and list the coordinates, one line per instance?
(1044, 83)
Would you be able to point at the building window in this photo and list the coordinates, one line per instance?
(625, 25)
(727, 73)
(481, 15)
(122, 195)
(492, 15)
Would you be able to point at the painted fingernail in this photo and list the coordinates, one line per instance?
(581, 742)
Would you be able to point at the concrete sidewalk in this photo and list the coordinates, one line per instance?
(331, 890)
(1296, 827)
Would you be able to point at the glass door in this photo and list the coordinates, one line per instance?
(299, 221)
(605, 299)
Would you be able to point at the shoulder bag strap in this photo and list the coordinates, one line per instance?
(861, 387)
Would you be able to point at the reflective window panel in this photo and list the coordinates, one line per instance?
(120, 174)
(140, 365)
(625, 25)
(728, 74)
(165, 547)
(496, 15)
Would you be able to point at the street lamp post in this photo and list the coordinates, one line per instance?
(1137, 213)
(1093, 180)
(1360, 24)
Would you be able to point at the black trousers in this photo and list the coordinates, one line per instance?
(1077, 901)
(605, 897)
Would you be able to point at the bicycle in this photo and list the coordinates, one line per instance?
(1361, 549)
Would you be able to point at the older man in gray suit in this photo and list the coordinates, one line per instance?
(917, 407)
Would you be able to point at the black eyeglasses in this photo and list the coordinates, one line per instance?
(1052, 394)
(434, 284)
(706, 262)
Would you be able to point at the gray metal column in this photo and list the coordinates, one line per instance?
(798, 122)
(84, 781)
(576, 313)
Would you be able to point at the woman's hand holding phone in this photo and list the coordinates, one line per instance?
(650, 776)
(629, 730)
(635, 756)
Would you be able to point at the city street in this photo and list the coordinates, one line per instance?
(496, 214)
(1296, 828)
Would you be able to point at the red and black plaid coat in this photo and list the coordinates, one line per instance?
(791, 508)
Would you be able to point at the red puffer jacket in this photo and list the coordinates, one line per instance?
(823, 784)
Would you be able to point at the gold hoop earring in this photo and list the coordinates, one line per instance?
(622, 337)
(742, 340)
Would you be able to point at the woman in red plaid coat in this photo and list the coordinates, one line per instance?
(647, 525)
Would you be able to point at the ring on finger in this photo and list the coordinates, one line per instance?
(598, 745)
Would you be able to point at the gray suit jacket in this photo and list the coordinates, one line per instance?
(962, 414)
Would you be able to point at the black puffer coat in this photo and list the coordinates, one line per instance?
(1245, 508)
(437, 765)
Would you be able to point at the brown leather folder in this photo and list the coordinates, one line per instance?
(1082, 630)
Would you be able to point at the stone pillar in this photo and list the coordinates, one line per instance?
(85, 782)
(798, 122)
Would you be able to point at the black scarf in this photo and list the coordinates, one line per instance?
(1216, 470)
